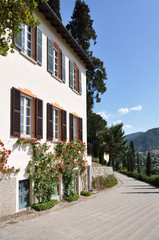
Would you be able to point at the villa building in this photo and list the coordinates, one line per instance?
(43, 96)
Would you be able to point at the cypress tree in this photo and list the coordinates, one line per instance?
(55, 5)
(138, 163)
(148, 164)
(132, 156)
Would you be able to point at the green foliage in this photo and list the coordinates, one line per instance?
(138, 163)
(71, 198)
(55, 5)
(148, 164)
(101, 182)
(71, 154)
(86, 193)
(42, 170)
(13, 14)
(141, 177)
(131, 157)
(44, 205)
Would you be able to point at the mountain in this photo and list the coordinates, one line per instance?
(131, 136)
(145, 141)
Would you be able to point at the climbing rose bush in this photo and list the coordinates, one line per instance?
(72, 157)
(4, 155)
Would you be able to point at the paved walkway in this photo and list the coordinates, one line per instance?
(128, 212)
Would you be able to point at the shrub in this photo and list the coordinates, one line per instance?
(44, 205)
(144, 178)
(86, 193)
(102, 182)
(72, 197)
(94, 159)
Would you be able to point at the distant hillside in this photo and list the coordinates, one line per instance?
(146, 141)
(131, 136)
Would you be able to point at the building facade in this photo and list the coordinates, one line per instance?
(43, 96)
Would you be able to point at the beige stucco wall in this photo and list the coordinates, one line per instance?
(7, 196)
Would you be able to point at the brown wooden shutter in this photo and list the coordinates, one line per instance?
(49, 122)
(63, 125)
(80, 129)
(15, 112)
(38, 118)
(71, 127)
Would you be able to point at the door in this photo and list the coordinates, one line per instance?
(23, 193)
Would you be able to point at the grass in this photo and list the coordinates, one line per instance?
(101, 182)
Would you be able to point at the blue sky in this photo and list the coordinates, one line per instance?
(128, 44)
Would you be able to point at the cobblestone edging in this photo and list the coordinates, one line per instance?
(101, 171)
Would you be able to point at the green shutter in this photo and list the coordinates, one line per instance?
(18, 41)
(80, 83)
(39, 45)
(49, 56)
(63, 68)
(71, 74)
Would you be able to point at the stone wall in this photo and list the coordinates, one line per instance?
(7, 196)
(101, 171)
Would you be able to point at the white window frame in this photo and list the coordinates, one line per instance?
(25, 40)
(56, 110)
(74, 78)
(56, 62)
(75, 128)
(23, 117)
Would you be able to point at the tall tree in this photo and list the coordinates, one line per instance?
(55, 5)
(13, 14)
(132, 156)
(148, 164)
(138, 163)
(81, 28)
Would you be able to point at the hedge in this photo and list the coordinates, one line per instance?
(44, 205)
(153, 180)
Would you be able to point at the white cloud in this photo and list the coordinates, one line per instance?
(138, 108)
(123, 111)
(117, 122)
(128, 126)
(103, 115)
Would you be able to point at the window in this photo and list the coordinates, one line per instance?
(74, 78)
(75, 81)
(55, 60)
(56, 63)
(26, 116)
(27, 42)
(76, 128)
(56, 123)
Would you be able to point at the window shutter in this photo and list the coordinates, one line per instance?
(49, 56)
(38, 118)
(63, 68)
(15, 112)
(63, 125)
(18, 41)
(49, 122)
(80, 129)
(39, 45)
(80, 83)
(71, 74)
(71, 127)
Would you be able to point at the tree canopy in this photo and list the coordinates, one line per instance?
(13, 14)
(55, 5)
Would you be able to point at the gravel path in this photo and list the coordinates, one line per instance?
(130, 211)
